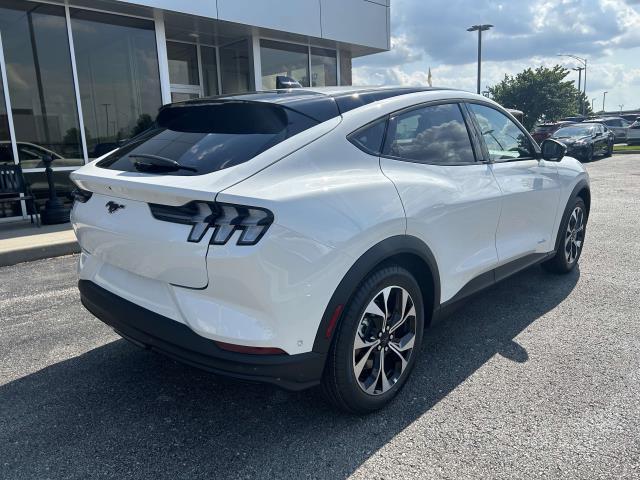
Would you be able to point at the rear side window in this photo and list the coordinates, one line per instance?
(369, 138)
(433, 134)
(204, 138)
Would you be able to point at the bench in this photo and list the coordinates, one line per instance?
(13, 188)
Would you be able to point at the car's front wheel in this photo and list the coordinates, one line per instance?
(377, 342)
(572, 234)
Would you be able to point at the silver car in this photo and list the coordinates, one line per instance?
(617, 125)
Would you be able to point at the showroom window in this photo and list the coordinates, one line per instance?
(324, 67)
(193, 72)
(118, 74)
(234, 67)
(283, 59)
(40, 85)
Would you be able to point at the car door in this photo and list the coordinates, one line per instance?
(530, 186)
(451, 200)
(601, 140)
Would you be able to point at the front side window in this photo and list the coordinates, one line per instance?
(504, 140)
(433, 134)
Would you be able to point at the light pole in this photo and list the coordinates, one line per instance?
(583, 61)
(580, 102)
(479, 29)
(621, 105)
(604, 97)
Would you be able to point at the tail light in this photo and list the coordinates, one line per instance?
(224, 218)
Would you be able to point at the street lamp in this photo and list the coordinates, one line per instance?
(604, 97)
(479, 29)
(621, 105)
(583, 61)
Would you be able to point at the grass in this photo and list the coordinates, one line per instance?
(624, 148)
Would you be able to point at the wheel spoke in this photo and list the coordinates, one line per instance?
(373, 309)
(398, 353)
(357, 369)
(361, 343)
(385, 296)
(385, 381)
(372, 387)
(405, 343)
(399, 323)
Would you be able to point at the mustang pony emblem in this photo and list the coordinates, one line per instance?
(113, 206)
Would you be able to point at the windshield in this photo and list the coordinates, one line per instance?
(574, 131)
(200, 139)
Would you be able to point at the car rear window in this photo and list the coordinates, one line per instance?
(205, 138)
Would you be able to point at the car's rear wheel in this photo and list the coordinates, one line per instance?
(376, 343)
(572, 232)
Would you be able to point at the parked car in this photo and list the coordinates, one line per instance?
(631, 117)
(546, 130)
(585, 141)
(633, 133)
(308, 236)
(617, 125)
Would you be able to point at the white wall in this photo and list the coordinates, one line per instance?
(359, 22)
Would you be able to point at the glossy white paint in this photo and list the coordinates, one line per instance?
(331, 203)
(530, 200)
(455, 211)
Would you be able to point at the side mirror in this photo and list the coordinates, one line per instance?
(553, 150)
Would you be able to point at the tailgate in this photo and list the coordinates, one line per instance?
(132, 239)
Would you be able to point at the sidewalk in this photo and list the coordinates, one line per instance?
(24, 242)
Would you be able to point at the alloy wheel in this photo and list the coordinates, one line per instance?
(574, 236)
(384, 340)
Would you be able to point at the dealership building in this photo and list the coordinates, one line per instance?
(80, 77)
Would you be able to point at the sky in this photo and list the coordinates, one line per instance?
(527, 33)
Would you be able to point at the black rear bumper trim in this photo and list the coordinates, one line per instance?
(174, 339)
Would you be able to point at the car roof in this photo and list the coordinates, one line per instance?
(319, 103)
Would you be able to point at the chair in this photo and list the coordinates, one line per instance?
(12, 185)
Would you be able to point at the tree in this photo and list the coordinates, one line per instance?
(542, 94)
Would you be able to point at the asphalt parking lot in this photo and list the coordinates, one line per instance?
(538, 377)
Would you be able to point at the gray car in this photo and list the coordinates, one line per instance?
(617, 125)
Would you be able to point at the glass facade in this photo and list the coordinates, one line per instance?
(70, 71)
(283, 59)
(234, 67)
(119, 77)
(324, 67)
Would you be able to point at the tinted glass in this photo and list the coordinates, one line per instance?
(209, 70)
(369, 138)
(119, 79)
(436, 134)
(38, 63)
(324, 67)
(183, 63)
(206, 138)
(574, 131)
(503, 138)
(286, 59)
(234, 67)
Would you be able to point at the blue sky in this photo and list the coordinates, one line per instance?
(432, 33)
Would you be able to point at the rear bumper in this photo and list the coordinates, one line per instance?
(171, 338)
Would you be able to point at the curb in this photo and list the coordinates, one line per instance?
(30, 254)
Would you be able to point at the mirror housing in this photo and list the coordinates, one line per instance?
(553, 150)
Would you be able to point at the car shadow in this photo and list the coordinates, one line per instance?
(118, 411)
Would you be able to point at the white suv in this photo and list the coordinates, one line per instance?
(309, 236)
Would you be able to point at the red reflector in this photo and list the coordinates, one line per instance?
(334, 320)
(251, 350)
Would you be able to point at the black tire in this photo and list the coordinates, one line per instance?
(588, 157)
(562, 261)
(340, 384)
